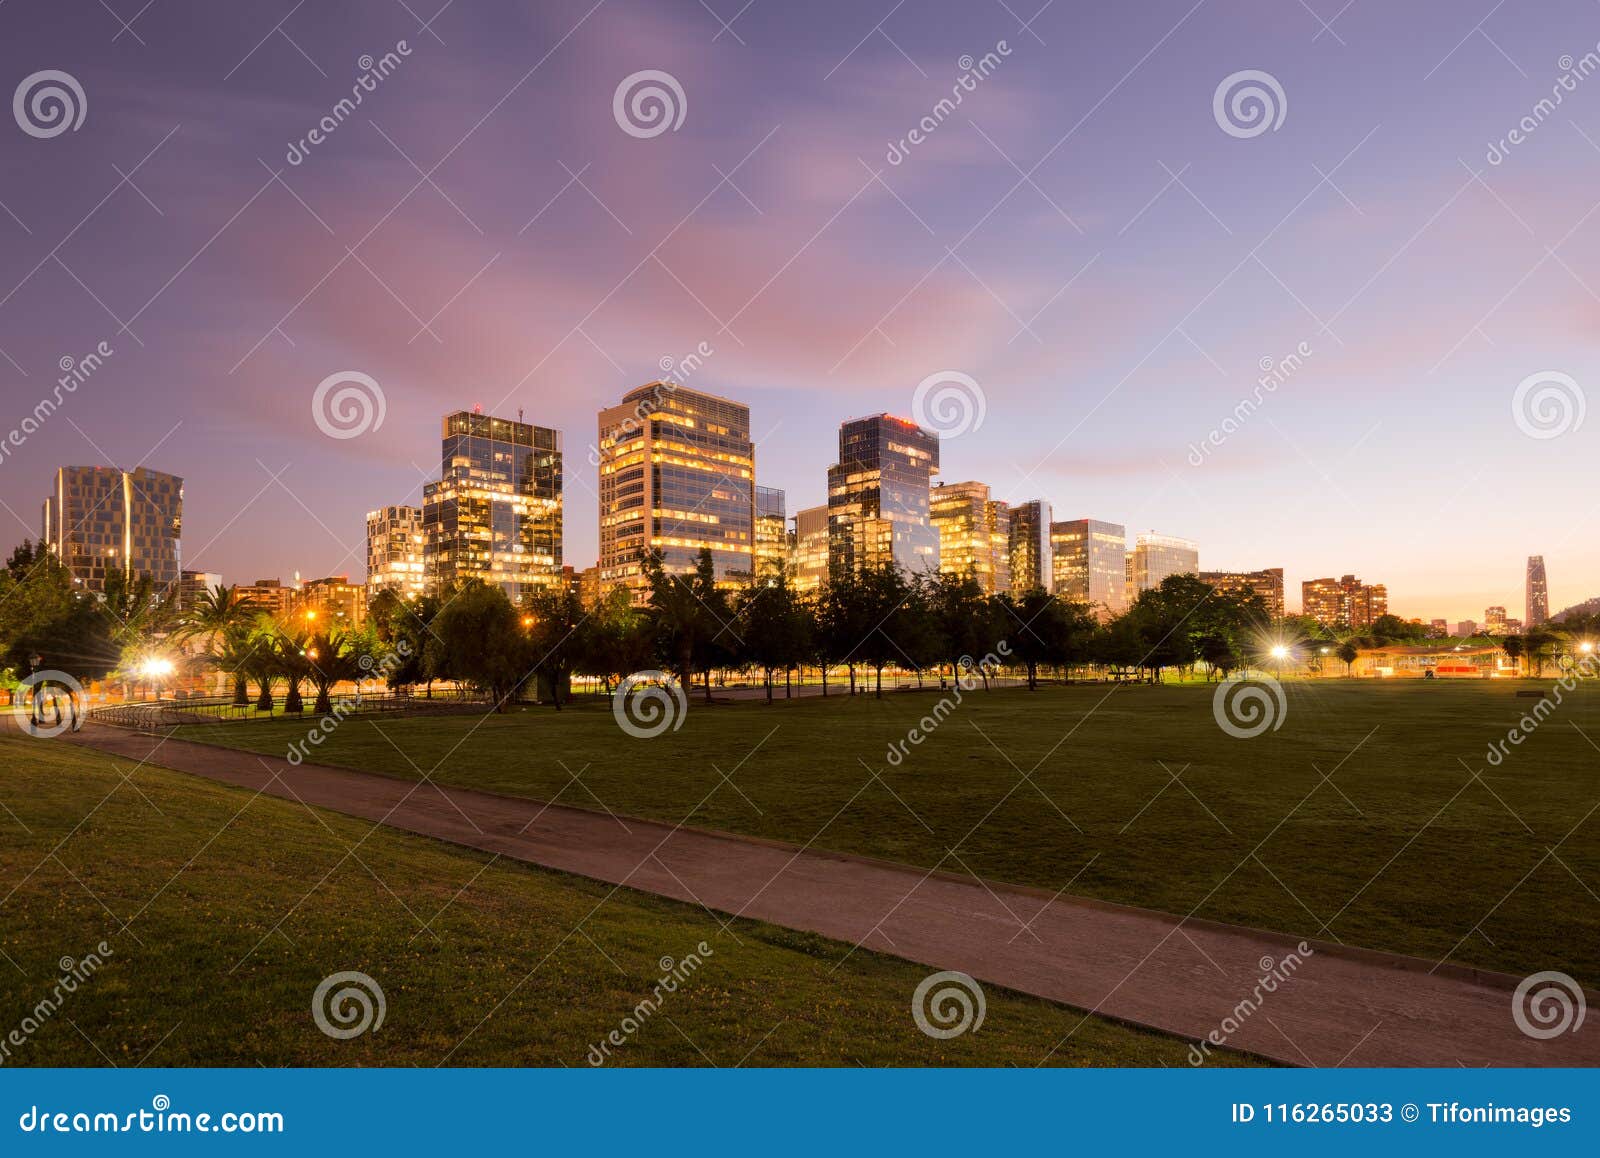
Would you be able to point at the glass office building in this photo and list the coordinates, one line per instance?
(1032, 554)
(974, 534)
(1156, 557)
(878, 495)
(99, 519)
(810, 548)
(495, 513)
(677, 474)
(1088, 560)
(772, 546)
(395, 542)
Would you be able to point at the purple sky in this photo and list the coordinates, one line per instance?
(1080, 237)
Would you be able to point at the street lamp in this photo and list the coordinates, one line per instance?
(33, 690)
(1278, 653)
(155, 669)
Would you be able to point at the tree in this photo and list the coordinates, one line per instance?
(879, 597)
(404, 626)
(777, 628)
(558, 635)
(1538, 645)
(333, 656)
(42, 614)
(221, 616)
(1392, 627)
(841, 619)
(964, 620)
(1349, 653)
(618, 640)
(692, 618)
(264, 662)
(1514, 648)
(477, 639)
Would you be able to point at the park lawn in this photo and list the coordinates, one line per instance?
(1359, 819)
(224, 910)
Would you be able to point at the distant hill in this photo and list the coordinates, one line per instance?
(1587, 607)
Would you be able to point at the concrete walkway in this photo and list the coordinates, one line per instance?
(1342, 1007)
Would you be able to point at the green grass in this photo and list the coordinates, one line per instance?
(1403, 850)
(223, 911)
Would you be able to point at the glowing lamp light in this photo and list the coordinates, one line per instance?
(156, 668)
(1279, 651)
(1587, 647)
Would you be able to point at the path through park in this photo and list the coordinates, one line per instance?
(1187, 977)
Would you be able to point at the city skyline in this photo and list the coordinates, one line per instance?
(1115, 307)
(387, 529)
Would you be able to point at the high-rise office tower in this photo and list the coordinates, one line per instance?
(974, 534)
(1032, 556)
(1538, 593)
(810, 548)
(1157, 557)
(1495, 620)
(1268, 584)
(677, 474)
(395, 542)
(772, 546)
(495, 512)
(99, 519)
(878, 496)
(1088, 563)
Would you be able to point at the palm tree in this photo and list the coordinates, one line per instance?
(333, 657)
(1349, 653)
(221, 615)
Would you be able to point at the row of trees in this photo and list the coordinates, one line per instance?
(854, 626)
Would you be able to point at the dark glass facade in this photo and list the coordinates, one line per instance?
(495, 513)
(878, 496)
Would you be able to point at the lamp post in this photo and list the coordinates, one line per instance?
(1278, 654)
(33, 690)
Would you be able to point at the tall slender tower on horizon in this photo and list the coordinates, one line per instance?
(1538, 594)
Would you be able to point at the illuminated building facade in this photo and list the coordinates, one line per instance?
(1031, 554)
(1495, 620)
(332, 603)
(974, 534)
(1088, 563)
(1344, 602)
(192, 585)
(1538, 593)
(878, 495)
(1157, 557)
(100, 519)
(395, 548)
(810, 548)
(268, 597)
(1268, 584)
(677, 474)
(495, 512)
(772, 546)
